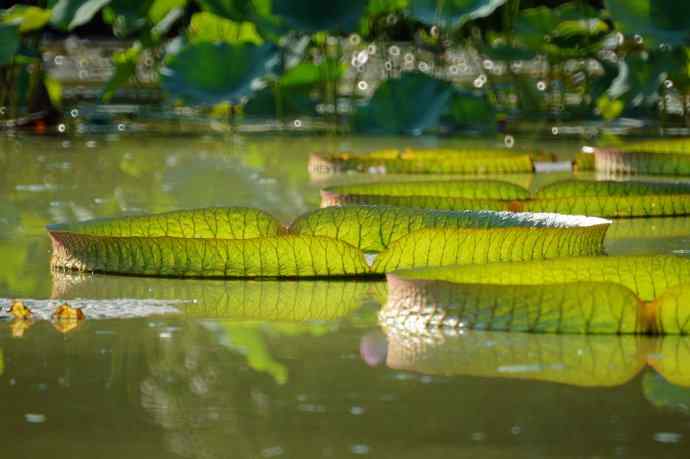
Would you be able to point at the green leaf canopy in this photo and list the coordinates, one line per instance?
(209, 73)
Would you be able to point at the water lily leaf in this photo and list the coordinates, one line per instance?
(612, 206)
(212, 223)
(643, 159)
(656, 21)
(649, 228)
(392, 111)
(28, 18)
(441, 247)
(210, 73)
(646, 276)
(422, 202)
(579, 308)
(665, 395)
(234, 242)
(492, 189)
(69, 14)
(584, 188)
(281, 256)
(452, 12)
(480, 162)
(336, 16)
(9, 43)
(577, 360)
(375, 228)
(672, 311)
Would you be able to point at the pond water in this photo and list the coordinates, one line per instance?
(205, 369)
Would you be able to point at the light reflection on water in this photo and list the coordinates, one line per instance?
(216, 380)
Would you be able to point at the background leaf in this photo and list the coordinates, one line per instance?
(208, 73)
(392, 111)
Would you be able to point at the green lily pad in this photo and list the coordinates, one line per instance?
(203, 243)
(209, 73)
(435, 161)
(566, 295)
(375, 228)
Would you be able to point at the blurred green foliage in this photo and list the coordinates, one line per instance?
(291, 58)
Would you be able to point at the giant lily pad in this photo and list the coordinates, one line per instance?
(203, 243)
(209, 73)
(375, 228)
(421, 161)
(568, 295)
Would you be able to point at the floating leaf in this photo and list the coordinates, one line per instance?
(645, 158)
(580, 307)
(281, 256)
(586, 188)
(492, 189)
(671, 311)
(329, 199)
(452, 12)
(200, 73)
(214, 223)
(612, 206)
(375, 228)
(424, 162)
(578, 295)
(391, 110)
(578, 360)
(68, 14)
(441, 247)
(649, 228)
(646, 276)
